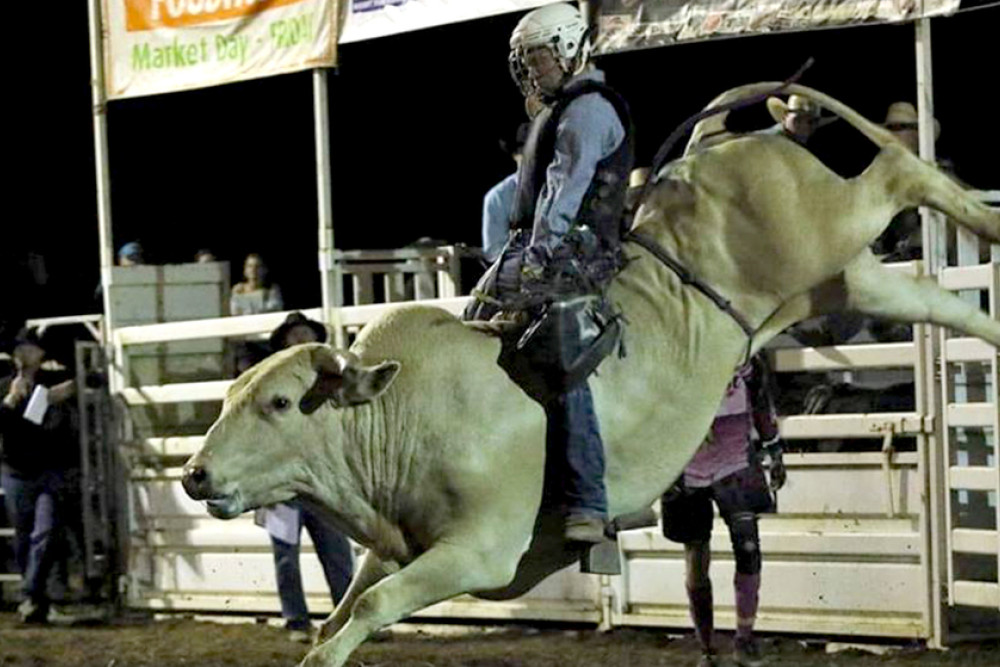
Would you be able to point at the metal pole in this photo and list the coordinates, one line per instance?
(329, 270)
(99, 112)
(929, 397)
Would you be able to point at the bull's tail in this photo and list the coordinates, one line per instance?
(713, 129)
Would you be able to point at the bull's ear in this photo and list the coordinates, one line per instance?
(364, 383)
(344, 381)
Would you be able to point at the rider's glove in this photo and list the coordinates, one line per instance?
(536, 258)
(774, 463)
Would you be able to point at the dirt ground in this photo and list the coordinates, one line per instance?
(191, 643)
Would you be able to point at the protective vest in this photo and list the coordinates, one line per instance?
(604, 201)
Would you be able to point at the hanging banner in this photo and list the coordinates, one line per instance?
(160, 46)
(368, 19)
(637, 24)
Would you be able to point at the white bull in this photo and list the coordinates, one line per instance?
(419, 447)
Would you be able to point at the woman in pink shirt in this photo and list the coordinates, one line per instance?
(728, 469)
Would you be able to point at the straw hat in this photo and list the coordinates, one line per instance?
(638, 177)
(903, 116)
(778, 108)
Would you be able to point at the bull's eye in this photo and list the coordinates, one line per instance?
(280, 403)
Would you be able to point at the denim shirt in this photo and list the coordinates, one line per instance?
(588, 131)
(497, 206)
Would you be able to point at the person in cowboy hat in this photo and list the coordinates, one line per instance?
(901, 240)
(798, 119)
(37, 451)
(902, 120)
(284, 521)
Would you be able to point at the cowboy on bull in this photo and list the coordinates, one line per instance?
(564, 245)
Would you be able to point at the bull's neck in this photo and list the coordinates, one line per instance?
(376, 457)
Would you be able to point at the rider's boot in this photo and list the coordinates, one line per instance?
(573, 431)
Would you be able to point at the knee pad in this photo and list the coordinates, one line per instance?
(746, 542)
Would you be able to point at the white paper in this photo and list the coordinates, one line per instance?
(37, 405)
(282, 523)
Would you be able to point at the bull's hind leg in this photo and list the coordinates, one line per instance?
(914, 182)
(449, 568)
(874, 290)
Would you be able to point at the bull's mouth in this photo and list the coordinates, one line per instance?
(226, 507)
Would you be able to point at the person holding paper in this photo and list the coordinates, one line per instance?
(284, 522)
(37, 447)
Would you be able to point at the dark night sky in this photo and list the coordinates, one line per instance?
(415, 125)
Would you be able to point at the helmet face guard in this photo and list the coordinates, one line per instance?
(559, 28)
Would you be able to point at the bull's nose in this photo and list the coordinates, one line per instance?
(196, 481)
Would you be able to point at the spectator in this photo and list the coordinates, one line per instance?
(901, 240)
(284, 521)
(256, 294)
(204, 256)
(798, 119)
(499, 201)
(728, 470)
(37, 449)
(130, 254)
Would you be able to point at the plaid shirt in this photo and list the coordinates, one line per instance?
(746, 408)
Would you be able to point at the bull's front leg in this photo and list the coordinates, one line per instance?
(449, 568)
(828, 297)
(371, 570)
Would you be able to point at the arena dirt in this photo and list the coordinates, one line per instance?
(190, 643)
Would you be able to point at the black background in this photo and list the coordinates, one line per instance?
(415, 121)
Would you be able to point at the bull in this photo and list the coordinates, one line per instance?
(418, 446)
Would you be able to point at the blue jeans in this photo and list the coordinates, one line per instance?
(34, 507)
(575, 453)
(334, 552)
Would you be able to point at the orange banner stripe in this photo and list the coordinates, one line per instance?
(151, 14)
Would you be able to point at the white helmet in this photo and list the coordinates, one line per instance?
(561, 28)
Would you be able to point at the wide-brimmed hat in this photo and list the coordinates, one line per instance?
(778, 108)
(903, 116)
(296, 319)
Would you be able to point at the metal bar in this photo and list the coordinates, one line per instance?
(872, 425)
(416, 266)
(350, 258)
(971, 414)
(971, 541)
(100, 120)
(363, 284)
(935, 525)
(972, 478)
(994, 300)
(970, 350)
(843, 357)
(330, 280)
(244, 325)
(957, 278)
(976, 594)
(847, 460)
(395, 287)
(180, 392)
